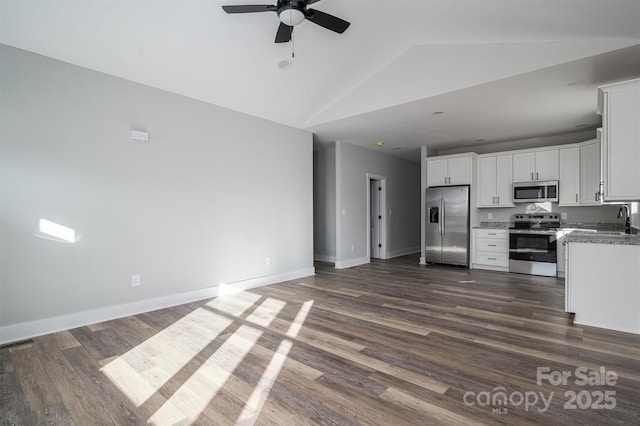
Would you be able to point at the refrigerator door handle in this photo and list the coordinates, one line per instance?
(442, 216)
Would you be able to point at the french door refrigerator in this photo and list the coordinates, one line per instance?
(447, 228)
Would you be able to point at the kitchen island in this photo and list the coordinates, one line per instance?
(603, 280)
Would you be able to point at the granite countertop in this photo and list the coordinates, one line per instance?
(494, 225)
(594, 233)
(602, 238)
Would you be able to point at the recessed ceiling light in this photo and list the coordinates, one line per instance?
(438, 112)
(285, 64)
(380, 144)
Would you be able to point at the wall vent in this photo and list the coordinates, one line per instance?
(16, 344)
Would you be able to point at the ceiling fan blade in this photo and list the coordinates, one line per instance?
(284, 33)
(249, 8)
(327, 21)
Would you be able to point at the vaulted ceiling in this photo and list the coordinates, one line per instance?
(498, 70)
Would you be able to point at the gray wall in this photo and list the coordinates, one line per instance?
(210, 196)
(324, 202)
(403, 202)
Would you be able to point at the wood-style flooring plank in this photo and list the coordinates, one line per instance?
(390, 342)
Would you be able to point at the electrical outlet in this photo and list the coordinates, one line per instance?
(564, 216)
(267, 260)
(489, 215)
(353, 247)
(135, 280)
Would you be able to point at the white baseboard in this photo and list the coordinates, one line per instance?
(324, 258)
(350, 263)
(402, 252)
(31, 329)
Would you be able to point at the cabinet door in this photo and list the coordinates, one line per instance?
(621, 128)
(436, 172)
(487, 181)
(589, 173)
(504, 180)
(546, 165)
(523, 167)
(459, 171)
(569, 176)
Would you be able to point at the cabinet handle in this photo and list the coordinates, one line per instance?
(491, 233)
(492, 258)
(576, 198)
(531, 175)
(498, 198)
(491, 245)
(537, 177)
(598, 196)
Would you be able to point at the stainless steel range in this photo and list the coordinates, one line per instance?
(533, 244)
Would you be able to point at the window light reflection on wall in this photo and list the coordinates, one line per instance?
(58, 231)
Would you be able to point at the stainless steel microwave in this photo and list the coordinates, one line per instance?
(535, 192)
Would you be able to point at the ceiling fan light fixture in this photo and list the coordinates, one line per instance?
(291, 17)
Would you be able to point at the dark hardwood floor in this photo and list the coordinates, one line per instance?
(389, 343)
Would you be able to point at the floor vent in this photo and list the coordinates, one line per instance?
(16, 344)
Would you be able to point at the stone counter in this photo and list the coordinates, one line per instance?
(601, 238)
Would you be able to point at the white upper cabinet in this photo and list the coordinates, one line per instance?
(495, 180)
(620, 107)
(449, 171)
(437, 172)
(589, 173)
(569, 176)
(535, 166)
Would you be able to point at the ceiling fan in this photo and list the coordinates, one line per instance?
(292, 13)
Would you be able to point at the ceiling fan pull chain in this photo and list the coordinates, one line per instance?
(293, 52)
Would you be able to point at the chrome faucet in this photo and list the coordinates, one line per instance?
(624, 209)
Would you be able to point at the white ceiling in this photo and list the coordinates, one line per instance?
(499, 69)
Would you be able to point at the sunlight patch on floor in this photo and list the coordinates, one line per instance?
(197, 391)
(143, 371)
(258, 397)
(146, 368)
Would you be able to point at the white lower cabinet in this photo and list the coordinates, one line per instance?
(603, 285)
(491, 249)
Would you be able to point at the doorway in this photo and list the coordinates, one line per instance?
(376, 217)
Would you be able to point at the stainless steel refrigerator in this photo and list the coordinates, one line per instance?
(448, 225)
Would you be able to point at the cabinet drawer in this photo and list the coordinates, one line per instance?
(492, 233)
(494, 259)
(492, 245)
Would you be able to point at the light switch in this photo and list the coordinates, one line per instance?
(489, 215)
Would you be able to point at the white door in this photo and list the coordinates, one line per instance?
(504, 180)
(459, 171)
(487, 181)
(523, 165)
(437, 172)
(547, 165)
(570, 176)
(589, 173)
(376, 210)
